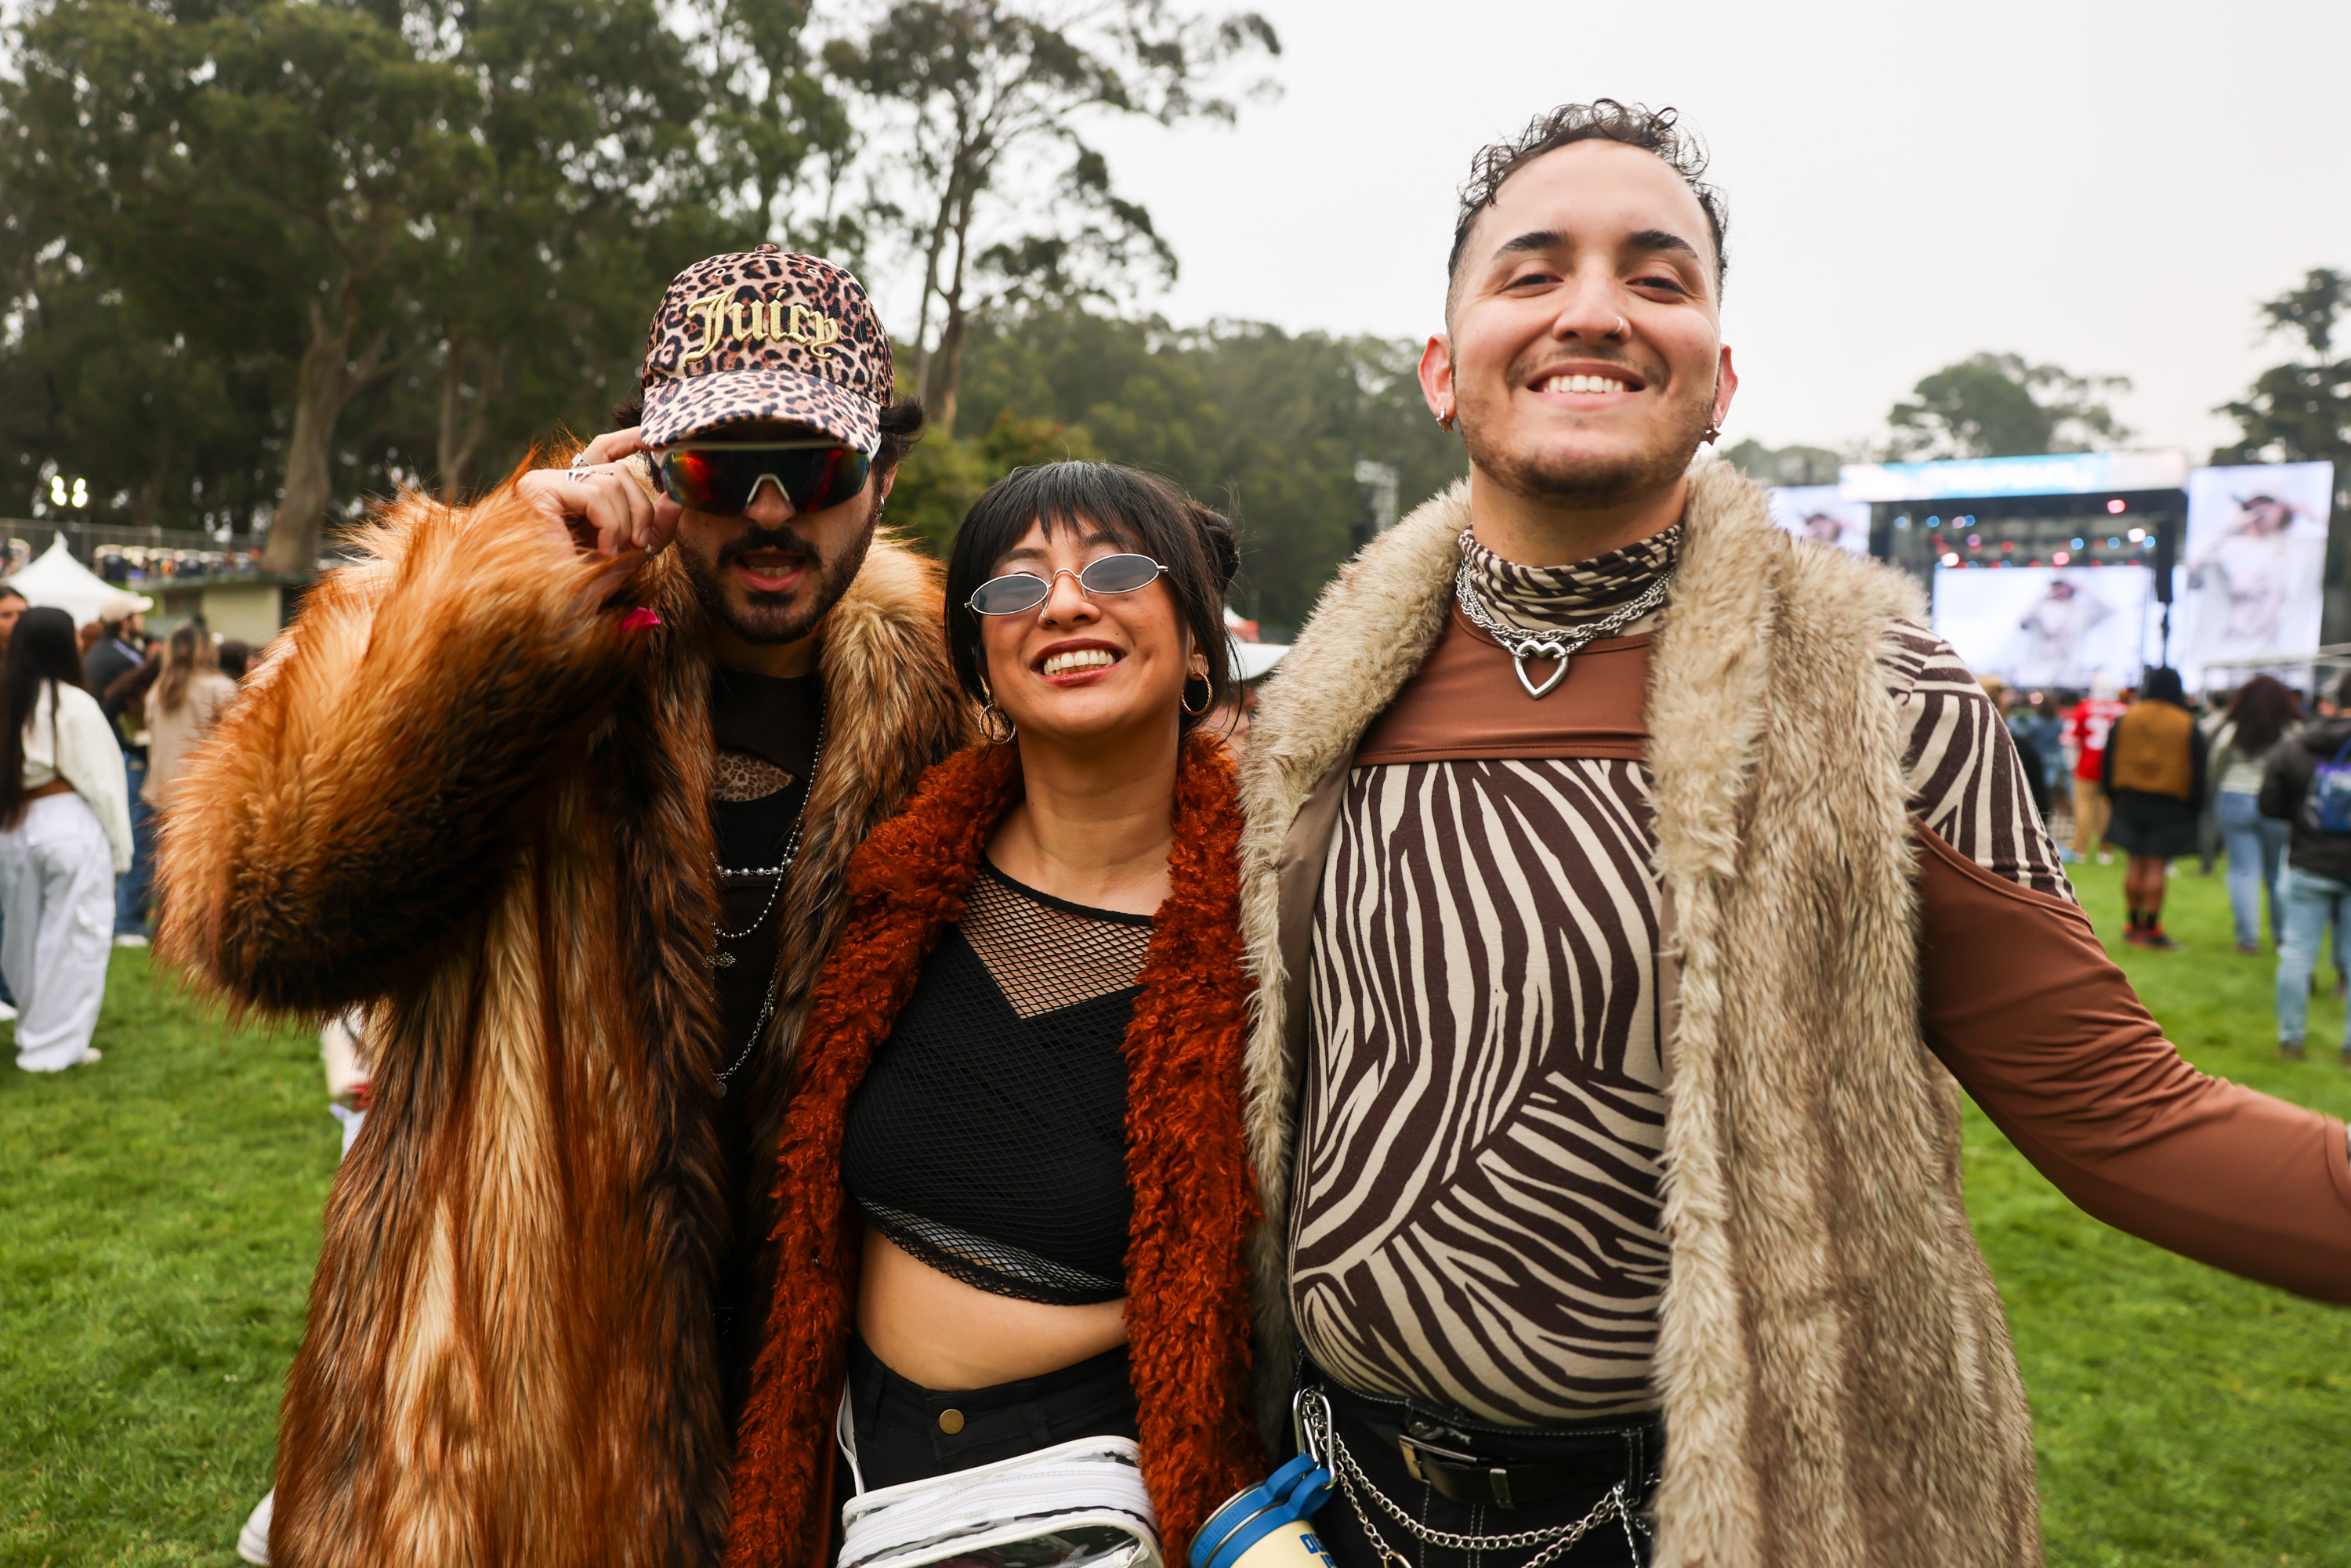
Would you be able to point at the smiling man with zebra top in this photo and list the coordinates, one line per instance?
(1632, 887)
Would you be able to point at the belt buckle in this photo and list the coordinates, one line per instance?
(1452, 1467)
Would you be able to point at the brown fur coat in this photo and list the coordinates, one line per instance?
(462, 796)
(1187, 1307)
(1833, 1366)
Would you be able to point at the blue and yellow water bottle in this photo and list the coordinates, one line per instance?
(1265, 1527)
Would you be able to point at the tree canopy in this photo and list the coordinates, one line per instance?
(266, 258)
(1264, 426)
(1999, 406)
(263, 260)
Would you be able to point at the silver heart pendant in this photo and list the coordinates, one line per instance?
(1542, 651)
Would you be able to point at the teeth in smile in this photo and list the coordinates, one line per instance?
(1584, 384)
(1078, 659)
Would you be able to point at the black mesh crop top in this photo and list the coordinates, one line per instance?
(988, 1138)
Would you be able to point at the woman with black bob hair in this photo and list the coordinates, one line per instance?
(65, 836)
(1014, 1193)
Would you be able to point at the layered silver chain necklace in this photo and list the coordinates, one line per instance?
(1555, 644)
(718, 957)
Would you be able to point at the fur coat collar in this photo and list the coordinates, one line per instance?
(1832, 1362)
(469, 795)
(1195, 1207)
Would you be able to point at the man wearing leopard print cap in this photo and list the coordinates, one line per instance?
(563, 786)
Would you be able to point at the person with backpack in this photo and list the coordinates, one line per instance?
(2156, 771)
(2307, 784)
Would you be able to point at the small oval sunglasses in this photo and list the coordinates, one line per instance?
(1020, 591)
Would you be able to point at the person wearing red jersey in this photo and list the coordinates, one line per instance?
(2086, 728)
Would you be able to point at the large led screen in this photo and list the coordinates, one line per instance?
(2252, 567)
(2044, 627)
(1815, 512)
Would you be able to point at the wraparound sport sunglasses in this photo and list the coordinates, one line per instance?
(720, 479)
(1021, 590)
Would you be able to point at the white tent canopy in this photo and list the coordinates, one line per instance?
(1257, 659)
(1252, 660)
(56, 579)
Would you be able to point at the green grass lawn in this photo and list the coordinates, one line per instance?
(159, 1220)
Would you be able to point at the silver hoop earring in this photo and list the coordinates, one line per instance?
(996, 726)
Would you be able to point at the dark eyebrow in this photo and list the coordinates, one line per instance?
(1532, 244)
(1037, 552)
(1538, 241)
(1664, 240)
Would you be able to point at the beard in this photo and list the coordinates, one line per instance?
(765, 619)
(1587, 482)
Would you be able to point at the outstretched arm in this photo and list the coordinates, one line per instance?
(2022, 1005)
(379, 775)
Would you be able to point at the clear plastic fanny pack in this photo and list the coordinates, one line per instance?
(1075, 1505)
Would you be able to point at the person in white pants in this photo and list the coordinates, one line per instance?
(65, 836)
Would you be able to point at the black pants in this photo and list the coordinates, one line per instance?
(1627, 1448)
(901, 1437)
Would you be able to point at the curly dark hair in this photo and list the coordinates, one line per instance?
(1602, 120)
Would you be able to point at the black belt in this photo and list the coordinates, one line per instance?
(1464, 1477)
(1467, 1461)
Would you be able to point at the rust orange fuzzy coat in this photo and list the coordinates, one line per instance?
(1195, 1209)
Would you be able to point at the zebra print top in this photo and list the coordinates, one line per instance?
(1477, 1222)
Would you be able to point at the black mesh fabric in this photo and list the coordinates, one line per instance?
(989, 1136)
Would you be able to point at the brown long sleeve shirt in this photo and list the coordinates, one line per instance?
(1478, 1212)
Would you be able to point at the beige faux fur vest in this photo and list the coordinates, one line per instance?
(467, 794)
(1837, 1383)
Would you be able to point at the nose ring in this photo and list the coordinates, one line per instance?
(1620, 328)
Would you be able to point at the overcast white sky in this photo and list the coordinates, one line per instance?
(2109, 187)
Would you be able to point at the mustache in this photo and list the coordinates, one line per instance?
(781, 536)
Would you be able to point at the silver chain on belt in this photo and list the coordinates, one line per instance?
(1555, 1541)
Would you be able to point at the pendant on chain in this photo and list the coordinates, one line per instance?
(1526, 650)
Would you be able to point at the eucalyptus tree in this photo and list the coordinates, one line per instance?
(1999, 406)
(985, 106)
(259, 175)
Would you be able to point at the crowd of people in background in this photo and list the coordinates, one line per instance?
(2258, 777)
(99, 718)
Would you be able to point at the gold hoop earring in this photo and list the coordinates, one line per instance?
(1208, 695)
(993, 718)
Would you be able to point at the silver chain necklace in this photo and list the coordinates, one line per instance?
(766, 1011)
(718, 957)
(1522, 644)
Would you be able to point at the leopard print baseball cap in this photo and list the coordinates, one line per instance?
(766, 334)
